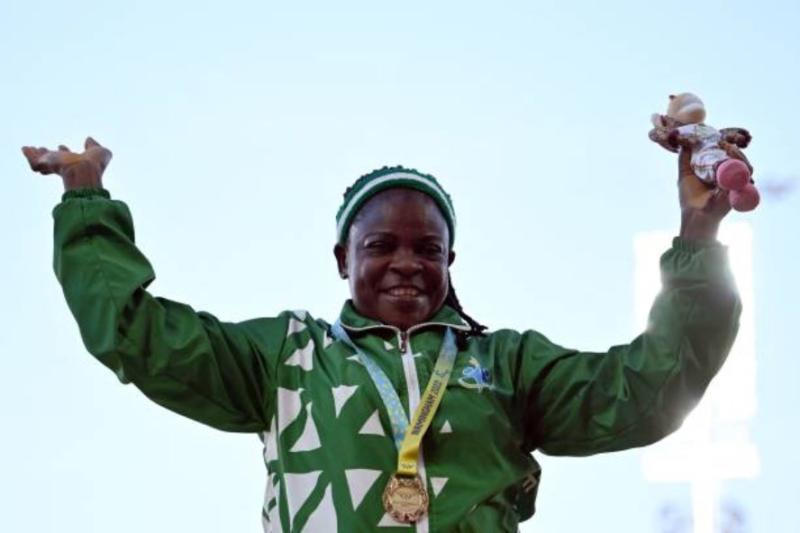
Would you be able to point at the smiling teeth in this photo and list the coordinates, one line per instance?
(404, 291)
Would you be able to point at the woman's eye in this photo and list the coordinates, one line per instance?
(433, 249)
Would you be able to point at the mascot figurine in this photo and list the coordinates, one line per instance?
(717, 157)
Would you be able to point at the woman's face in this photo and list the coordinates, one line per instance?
(396, 258)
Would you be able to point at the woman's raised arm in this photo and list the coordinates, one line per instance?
(215, 372)
(580, 403)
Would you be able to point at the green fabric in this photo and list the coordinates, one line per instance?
(328, 445)
(379, 180)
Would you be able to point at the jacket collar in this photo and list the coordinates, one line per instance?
(446, 317)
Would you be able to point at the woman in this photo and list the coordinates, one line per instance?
(403, 412)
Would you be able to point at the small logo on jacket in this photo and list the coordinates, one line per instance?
(475, 377)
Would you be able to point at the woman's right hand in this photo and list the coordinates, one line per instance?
(76, 170)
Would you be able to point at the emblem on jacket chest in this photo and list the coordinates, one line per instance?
(475, 377)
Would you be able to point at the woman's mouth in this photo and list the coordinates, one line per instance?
(404, 292)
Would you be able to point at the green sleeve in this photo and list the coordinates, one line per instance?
(214, 372)
(580, 403)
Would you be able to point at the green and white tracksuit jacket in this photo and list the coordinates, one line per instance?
(328, 445)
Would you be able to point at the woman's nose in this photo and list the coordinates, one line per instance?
(406, 262)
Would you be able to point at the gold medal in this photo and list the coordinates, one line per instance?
(405, 498)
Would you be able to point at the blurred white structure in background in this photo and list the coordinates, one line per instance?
(714, 443)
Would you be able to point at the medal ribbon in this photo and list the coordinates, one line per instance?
(408, 438)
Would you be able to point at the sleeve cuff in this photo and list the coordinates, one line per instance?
(85, 192)
(688, 245)
(691, 261)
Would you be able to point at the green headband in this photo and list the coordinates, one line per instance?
(371, 184)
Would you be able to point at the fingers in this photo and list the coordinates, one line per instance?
(28, 152)
(719, 204)
(97, 152)
(38, 159)
(684, 163)
(718, 195)
(684, 158)
(106, 158)
(32, 154)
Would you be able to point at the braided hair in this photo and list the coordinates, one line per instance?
(386, 177)
(476, 329)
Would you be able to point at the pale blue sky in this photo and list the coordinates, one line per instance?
(235, 130)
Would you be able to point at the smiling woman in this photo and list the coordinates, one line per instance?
(376, 420)
(398, 225)
(396, 258)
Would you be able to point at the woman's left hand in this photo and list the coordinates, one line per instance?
(76, 169)
(702, 207)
